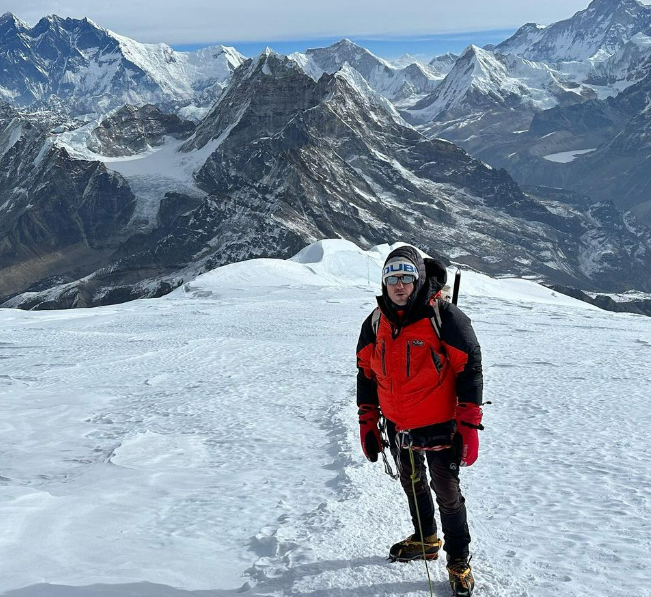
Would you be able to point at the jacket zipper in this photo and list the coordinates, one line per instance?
(437, 361)
(384, 349)
(408, 356)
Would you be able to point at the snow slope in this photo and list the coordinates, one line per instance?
(207, 441)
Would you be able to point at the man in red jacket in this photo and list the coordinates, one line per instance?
(419, 366)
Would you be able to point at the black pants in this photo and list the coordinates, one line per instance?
(444, 471)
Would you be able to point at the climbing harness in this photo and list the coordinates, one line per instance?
(385, 444)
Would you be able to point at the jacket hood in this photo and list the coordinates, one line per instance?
(437, 274)
(419, 296)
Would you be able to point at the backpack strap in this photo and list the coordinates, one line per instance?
(436, 319)
(375, 320)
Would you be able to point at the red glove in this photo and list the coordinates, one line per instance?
(369, 432)
(468, 422)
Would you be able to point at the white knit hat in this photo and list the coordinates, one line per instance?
(398, 265)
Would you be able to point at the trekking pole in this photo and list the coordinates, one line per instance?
(414, 478)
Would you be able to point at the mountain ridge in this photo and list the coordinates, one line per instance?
(91, 69)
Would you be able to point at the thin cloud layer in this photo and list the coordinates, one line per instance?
(198, 21)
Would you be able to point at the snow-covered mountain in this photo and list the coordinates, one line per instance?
(594, 33)
(83, 67)
(283, 160)
(595, 54)
(444, 63)
(549, 94)
(626, 66)
(300, 148)
(121, 427)
(481, 79)
(397, 82)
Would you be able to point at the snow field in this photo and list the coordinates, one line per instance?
(207, 441)
(565, 157)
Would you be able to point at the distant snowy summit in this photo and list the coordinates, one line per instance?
(594, 33)
(79, 66)
(397, 81)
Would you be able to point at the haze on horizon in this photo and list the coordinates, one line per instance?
(194, 22)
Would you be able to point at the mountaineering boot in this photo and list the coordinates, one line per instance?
(461, 579)
(412, 549)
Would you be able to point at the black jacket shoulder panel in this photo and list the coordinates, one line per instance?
(456, 327)
(458, 333)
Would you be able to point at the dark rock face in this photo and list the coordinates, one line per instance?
(56, 214)
(130, 130)
(637, 306)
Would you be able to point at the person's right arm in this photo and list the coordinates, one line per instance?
(366, 384)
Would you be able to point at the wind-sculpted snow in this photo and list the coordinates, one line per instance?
(208, 441)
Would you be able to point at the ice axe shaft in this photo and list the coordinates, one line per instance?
(457, 283)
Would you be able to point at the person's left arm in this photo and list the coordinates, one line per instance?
(464, 353)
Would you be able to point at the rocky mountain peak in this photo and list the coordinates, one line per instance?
(10, 17)
(334, 56)
(261, 95)
(350, 88)
(50, 23)
(442, 64)
(597, 31)
(77, 66)
(482, 62)
(269, 62)
(10, 26)
(531, 27)
(448, 57)
(472, 51)
(346, 44)
(610, 6)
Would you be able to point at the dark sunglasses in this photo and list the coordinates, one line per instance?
(405, 279)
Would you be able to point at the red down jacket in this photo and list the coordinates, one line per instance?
(416, 378)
